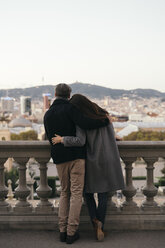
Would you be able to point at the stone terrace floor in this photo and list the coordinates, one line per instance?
(49, 239)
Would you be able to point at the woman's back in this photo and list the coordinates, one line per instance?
(103, 168)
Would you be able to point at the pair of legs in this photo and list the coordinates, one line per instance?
(71, 175)
(97, 211)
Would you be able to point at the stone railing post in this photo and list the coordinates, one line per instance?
(150, 190)
(129, 205)
(84, 208)
(111, 206)
(22, 191)
(4, 206)
(43, 191)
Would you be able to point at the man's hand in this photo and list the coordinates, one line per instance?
(57, 139)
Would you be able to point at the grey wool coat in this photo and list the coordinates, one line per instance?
(103, 168)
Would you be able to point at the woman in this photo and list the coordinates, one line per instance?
(103, 169)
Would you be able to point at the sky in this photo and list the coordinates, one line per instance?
(118, 44)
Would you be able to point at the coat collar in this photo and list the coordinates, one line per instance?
(60, 101)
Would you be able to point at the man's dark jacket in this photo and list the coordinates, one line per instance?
(62, 118)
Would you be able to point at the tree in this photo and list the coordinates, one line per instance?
(13, 176)
(145, 135)
(29, 135)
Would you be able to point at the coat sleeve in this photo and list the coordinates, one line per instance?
(84, 122)
(78, 140)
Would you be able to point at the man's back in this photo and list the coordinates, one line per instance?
(57, 120)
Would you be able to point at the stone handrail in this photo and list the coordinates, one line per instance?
(22, 151)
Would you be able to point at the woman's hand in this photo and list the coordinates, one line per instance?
(57, 139)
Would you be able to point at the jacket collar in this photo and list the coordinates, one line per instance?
(60, 100)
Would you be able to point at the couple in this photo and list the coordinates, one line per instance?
(82, 146)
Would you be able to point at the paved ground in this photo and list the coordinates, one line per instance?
(49, 239)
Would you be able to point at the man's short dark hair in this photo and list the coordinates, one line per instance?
(63, 90)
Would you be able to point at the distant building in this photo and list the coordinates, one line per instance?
(144, 126)
(152, 117)
(107, 101)
(4, 134)
(136, 117)
(25, 105)
(127, 130)
(46, 101)
(20, 122)
(7, 104)
(119, 118)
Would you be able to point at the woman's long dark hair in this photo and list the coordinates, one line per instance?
(88, 108)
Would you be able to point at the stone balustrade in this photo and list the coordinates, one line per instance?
(129, 215)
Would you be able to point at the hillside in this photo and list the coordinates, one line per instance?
(90, 90)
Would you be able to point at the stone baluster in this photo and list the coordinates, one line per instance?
(84, 208)
(4, 206)
(22, 191)
(43, 191)
(10, 194)
(163, 205)
(129, 192)
(150, 190)
(111, 206)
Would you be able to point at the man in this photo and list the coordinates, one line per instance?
(61, 119)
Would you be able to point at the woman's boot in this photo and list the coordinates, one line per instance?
(98, 229)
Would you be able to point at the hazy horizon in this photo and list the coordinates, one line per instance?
(82, 83)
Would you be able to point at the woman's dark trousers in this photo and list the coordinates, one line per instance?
(97, 212)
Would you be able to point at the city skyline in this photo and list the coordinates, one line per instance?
(115, 44)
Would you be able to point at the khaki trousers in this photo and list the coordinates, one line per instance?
(71, 175)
